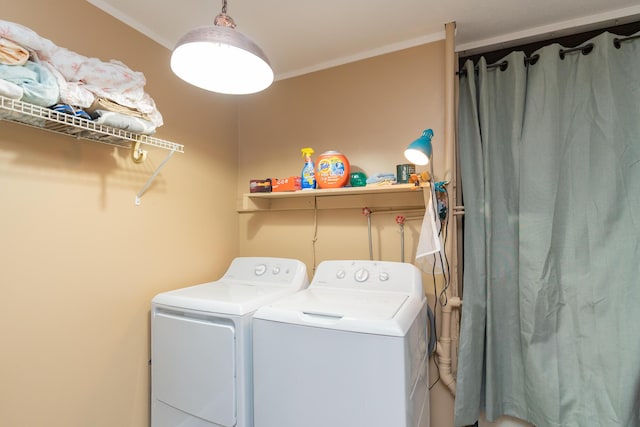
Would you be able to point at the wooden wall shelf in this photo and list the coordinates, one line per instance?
(397, 196)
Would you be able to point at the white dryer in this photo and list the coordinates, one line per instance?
(201, 354)
(348, 351)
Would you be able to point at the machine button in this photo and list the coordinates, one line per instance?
(361, 275)
(275, 270)
(260, 269)
(341, 274)
(384, 276)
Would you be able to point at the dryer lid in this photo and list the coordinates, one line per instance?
(224, 297)
(382, 313)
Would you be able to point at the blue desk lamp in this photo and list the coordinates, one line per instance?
(419, 151)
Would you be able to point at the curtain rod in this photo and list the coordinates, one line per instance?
(528, 60)
(531, 60)
(618, 42)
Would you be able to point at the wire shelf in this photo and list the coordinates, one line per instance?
(66, 124)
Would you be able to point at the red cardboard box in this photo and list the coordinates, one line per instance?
(292, 183)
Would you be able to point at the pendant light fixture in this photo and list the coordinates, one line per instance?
(220, 59)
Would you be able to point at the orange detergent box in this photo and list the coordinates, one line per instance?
(292, 183)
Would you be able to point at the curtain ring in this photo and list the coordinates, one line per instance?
(586, 50)
(531, 60)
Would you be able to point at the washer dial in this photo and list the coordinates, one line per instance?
(361, 275)
(260, 269)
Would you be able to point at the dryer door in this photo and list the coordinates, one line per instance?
(193, 366)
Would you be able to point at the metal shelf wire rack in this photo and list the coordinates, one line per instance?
(66, 124)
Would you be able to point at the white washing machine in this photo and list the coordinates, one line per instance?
(348, 351)
(201, 343)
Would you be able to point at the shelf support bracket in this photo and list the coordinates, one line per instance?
(152, 177)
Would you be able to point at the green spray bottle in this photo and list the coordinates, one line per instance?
(308, 170)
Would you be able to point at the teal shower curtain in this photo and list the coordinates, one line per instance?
(550, 163)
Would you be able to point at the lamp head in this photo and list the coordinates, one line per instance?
(220, 59)
(419, 151)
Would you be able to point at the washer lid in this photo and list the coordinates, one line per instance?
(225, 297)
(382, 313)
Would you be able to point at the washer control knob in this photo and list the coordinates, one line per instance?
(361, 275)
(260, 269)
(341, 274)
(275, 270)
(384, 276)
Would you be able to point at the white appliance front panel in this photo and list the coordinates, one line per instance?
(314, 377)
(193, 366)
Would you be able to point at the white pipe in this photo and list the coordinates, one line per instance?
(450, 140)
(446, 343)
(449, 98)
(444, 349)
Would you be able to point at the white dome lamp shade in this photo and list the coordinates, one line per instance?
(220, 59)
(419, 151)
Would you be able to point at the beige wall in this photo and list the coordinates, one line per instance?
(79, 262)
(370, 111)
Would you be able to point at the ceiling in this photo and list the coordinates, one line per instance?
(302, 36)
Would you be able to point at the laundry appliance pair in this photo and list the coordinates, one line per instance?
(263, 347)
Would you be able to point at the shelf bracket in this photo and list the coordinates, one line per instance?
(152, 177)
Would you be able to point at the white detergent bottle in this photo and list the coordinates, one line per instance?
(308, 170)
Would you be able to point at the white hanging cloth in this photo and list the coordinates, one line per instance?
(430, 252)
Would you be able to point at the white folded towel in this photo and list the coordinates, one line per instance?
(10, 90)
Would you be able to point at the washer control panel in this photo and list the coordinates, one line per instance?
(373, 275)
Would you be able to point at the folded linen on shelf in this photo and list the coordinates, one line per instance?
(108, 105)
(382, 178)
(12, 53)
(124, 122)
(38, 84)
(10, 90)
